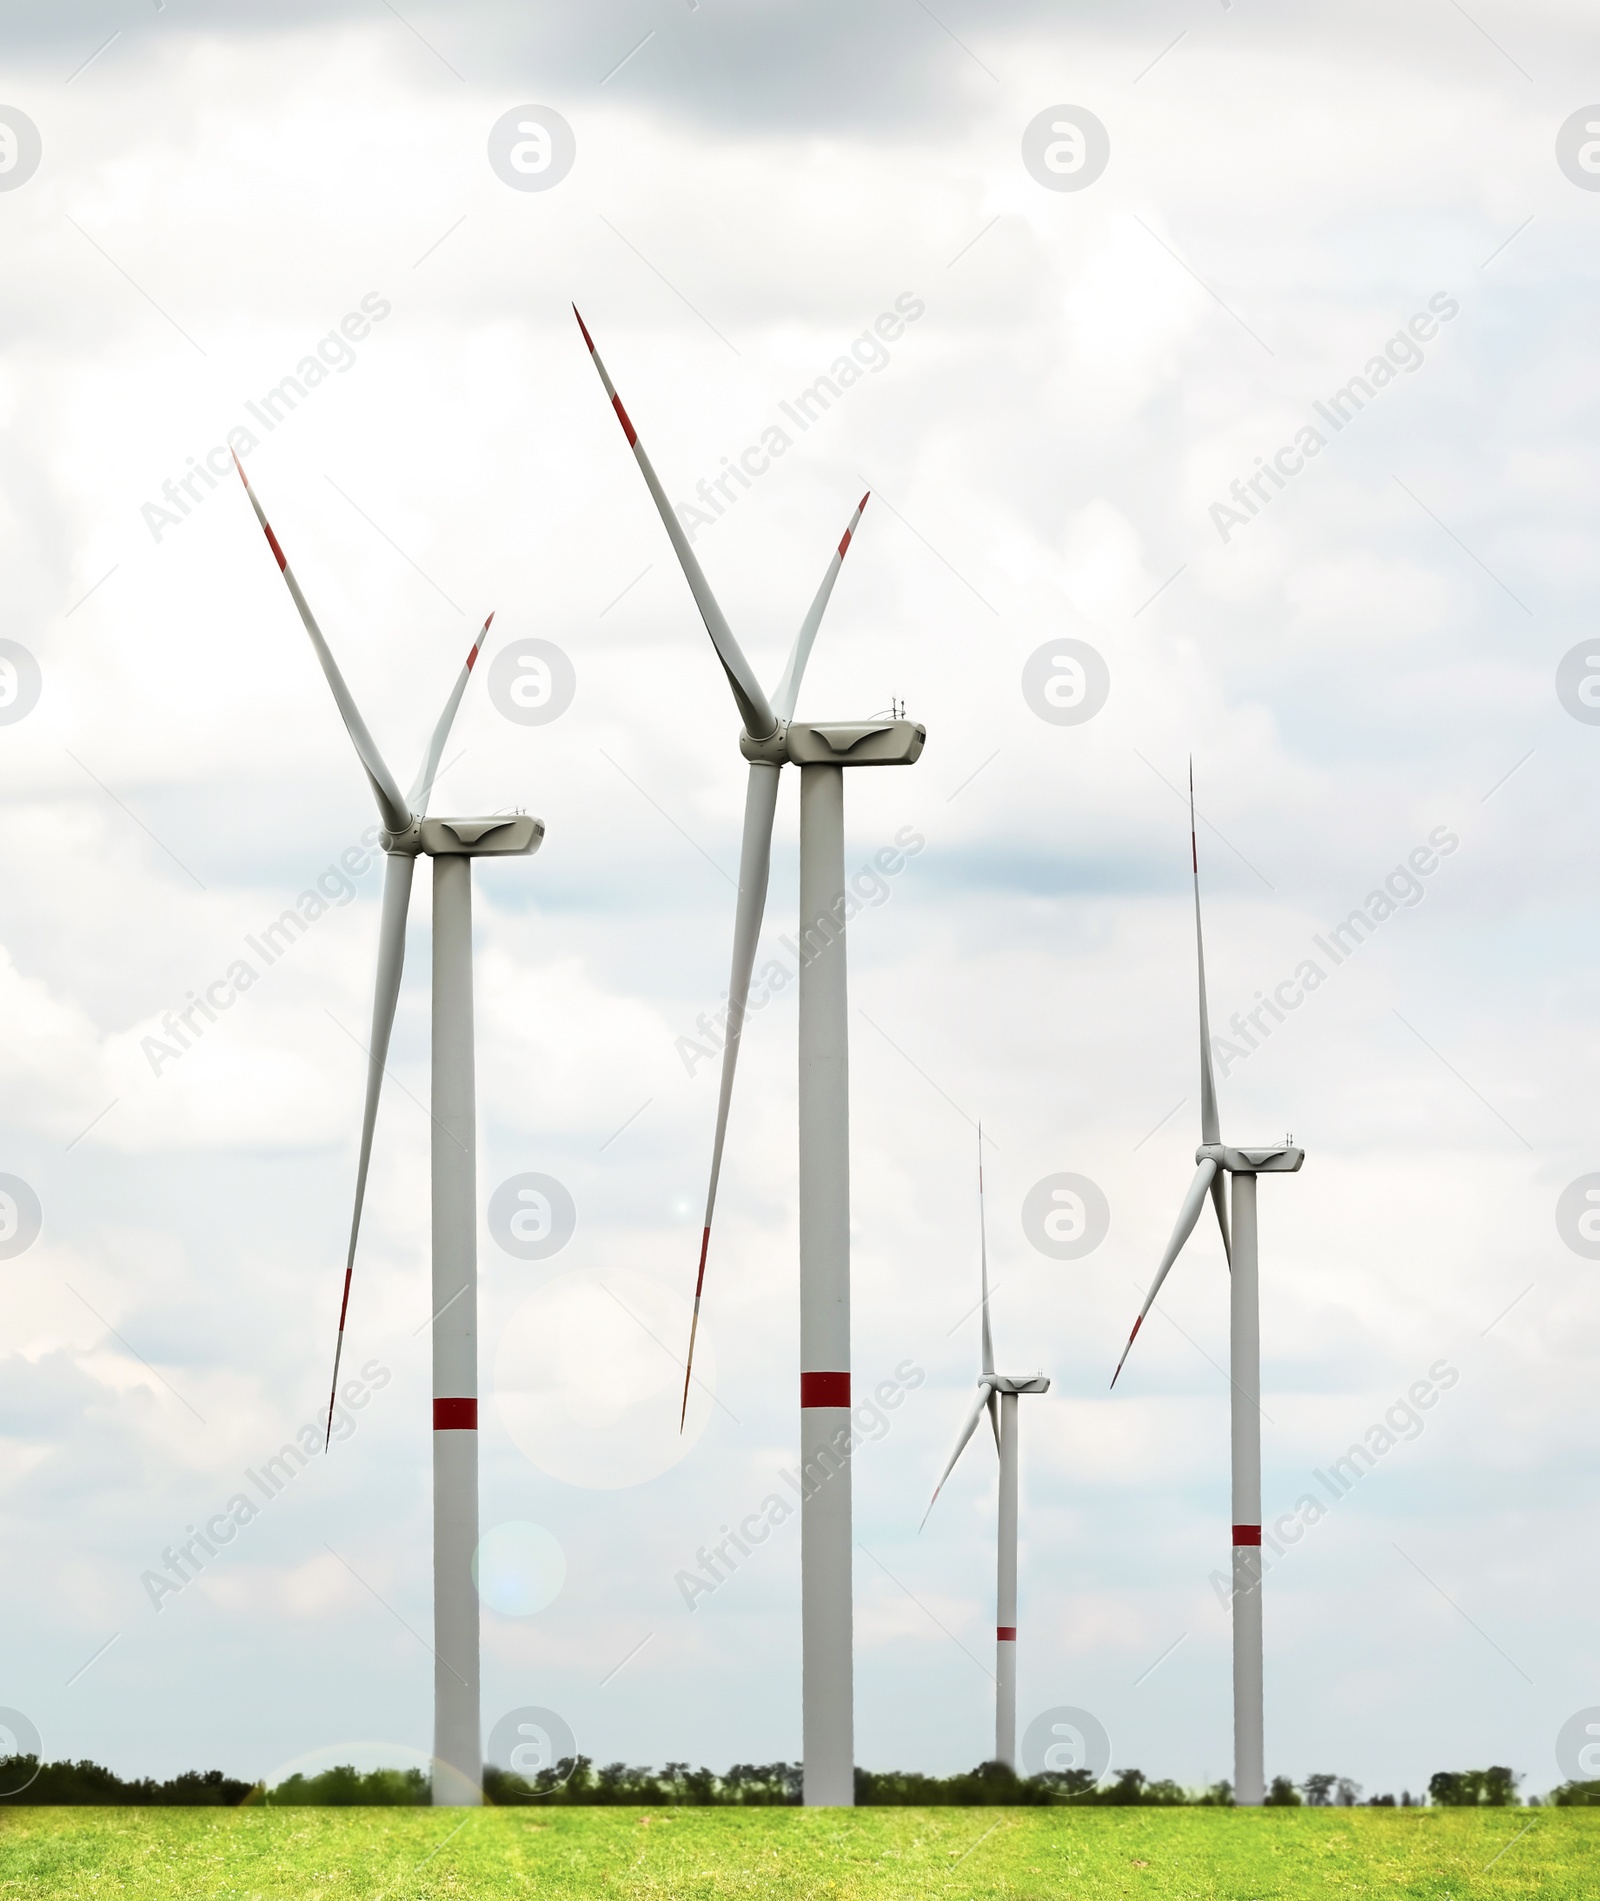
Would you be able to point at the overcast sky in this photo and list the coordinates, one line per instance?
(1360, 655)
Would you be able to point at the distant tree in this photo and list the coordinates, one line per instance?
(1576, 1795)
(763, 1784)
(1165, 1793)
(75, 1782)
(1218, 1796)
(1383, 1802)
(1474, 1788)
(1319, 1790)
(1283, 1794)
(347, 1787)
(1349, 1793)
(990, 1783)
(1068, 1784)
(1500, 1788)
(571, 1779)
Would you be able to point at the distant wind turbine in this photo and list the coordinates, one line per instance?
(998, 1392)
(1215, 1160)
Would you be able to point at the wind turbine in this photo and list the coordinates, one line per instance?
(998, 1393)
(1216, 1160)
(772, 738)
(452, 844)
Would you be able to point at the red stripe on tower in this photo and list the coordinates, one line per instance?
(455, 1415)
(824, 1389)
(1246, 1535)
(1006, 1633)
(622, 417)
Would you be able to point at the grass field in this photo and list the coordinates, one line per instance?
(1192, 1855)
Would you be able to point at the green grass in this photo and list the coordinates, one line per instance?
(967, 1854)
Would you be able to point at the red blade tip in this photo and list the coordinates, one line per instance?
(1127, 1349)
(584, 328)
(863, 502)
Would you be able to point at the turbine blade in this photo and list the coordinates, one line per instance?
(755, 857)
(994, 1418)
(789, 687)
(391, 807)
(397, 873)
(969, 1427)
(422, 789)
(983, 1256)
(1188, 1215)
(759, 721)
(1219, 1201)
(1210, 1127)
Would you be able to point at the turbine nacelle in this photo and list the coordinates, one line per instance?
(896, 742)
(1016, 1383)
(1266, 1161)
(503, 835)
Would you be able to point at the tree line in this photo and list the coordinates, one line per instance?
(576, 1781)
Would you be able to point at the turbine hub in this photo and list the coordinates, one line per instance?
(404, 844)
(771, 751)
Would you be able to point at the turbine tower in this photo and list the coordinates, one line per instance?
(452, 844)
(771, 739)
(998, 1394)
(1216, 1160)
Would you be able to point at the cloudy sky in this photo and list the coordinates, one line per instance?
(1361, 656)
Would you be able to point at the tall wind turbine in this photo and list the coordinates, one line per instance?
(452, 844)
(998, 1393)
(1216, 1160)
(771, 739)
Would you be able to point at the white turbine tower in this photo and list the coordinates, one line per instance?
(452, 844)
(998, 1394)
(770, 740)
(1216, 1159)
